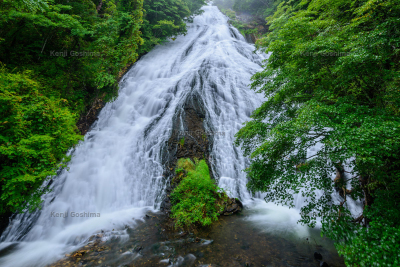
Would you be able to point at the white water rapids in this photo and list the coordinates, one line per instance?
(117, 171)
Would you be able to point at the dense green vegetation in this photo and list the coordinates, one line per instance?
(166, 18)
(56, 57)
(195, 197)
(260, 8)
(35, 133)
(333, 78)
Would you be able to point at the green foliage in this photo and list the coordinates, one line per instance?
(194, 7)
(35, 134)
(256, 11)
(162, 19)
(81, 47)
(332, 78)
(230, 14)
(258, 8)
(77, 51)
(166, 18)
(186, 164)
(179, 170)
(62, 54)
(376, 246)
(195, 197)
(182, 142)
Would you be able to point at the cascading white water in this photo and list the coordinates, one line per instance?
(116, 171)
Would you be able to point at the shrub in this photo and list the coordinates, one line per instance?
(195, 197)
(35, 134)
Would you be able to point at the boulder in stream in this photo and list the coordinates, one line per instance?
(232, 206)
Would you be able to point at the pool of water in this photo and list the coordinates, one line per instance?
(262, 235)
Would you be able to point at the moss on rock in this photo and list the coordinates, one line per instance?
(195, 198)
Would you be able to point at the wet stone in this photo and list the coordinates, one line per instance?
(317, 256)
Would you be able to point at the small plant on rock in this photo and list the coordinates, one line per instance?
(182, 142)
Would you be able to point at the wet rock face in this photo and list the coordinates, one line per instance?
(253, 23)
(4, 221)
(89, 117)
(232, 206)
(317, 256)
(188, 139)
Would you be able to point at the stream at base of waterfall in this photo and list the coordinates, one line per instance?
(250, 238)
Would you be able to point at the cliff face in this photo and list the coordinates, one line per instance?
(253, 27)
(190, 139)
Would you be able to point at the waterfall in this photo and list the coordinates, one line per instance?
(116, 173)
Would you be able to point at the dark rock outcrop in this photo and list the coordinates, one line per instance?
(4, 221)
(317, 256)
(232, 206)
(190, 139)
(257, 25)
(90, 116)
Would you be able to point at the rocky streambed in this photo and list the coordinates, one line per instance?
(232, 241)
